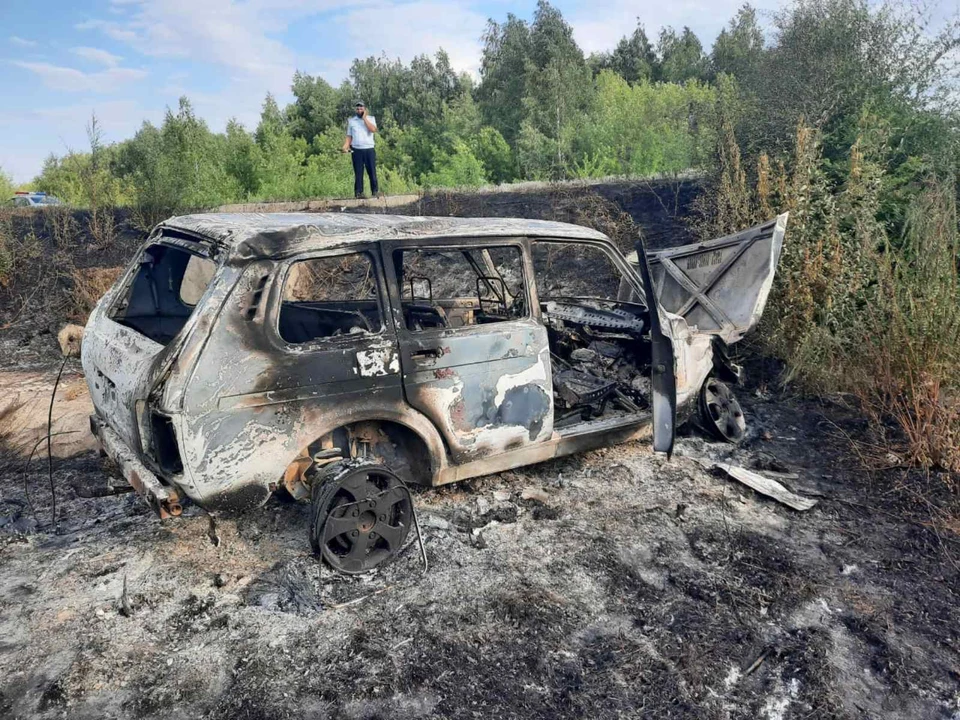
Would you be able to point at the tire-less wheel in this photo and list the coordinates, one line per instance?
(720, 412)
(361, 515)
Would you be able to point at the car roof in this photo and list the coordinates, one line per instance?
(33, 197)
(262, 235)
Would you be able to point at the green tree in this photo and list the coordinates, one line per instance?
(738, 49)
(458, 168)
(559, 83)
(407, 96)
(194, 156)
(6, 186)
(536, 153)
(681, 56)
(272, 121)
(280, 157)
(503, 76)
(490, 148)
(240, 160)
(646, 128)
(317, 106)
(839, 56)
(634, 58)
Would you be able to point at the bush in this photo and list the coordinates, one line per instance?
(88, 286)
(6, 186)
(645, 128)
(854, 308)
(907, 365)
(459, 169)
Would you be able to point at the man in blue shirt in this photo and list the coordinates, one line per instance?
(360, 130)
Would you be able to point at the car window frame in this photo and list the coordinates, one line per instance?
(372, 250)
(458, 244)
(605, 246)
(201, 248)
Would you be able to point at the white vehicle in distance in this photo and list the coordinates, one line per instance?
(33, 199)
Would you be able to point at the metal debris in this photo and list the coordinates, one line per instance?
(766, 486)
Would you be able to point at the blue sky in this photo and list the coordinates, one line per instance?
(130, 59)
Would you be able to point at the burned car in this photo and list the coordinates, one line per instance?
(340, 357)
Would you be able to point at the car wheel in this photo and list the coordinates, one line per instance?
(361, 515)
(720, 413)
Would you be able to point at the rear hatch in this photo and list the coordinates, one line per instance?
(137, 328)
(719, 286)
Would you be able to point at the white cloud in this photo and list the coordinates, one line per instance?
(22, 42)
(407, 29)
(228, 34)
(97, 55)
(57, 77)
(110, 29)
(597, 32)
(235, 38)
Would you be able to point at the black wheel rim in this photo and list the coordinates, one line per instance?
(366, 516)
(721, 412)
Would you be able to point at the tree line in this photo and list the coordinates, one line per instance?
(541, 110)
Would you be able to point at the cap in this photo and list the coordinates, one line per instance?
(360, 103)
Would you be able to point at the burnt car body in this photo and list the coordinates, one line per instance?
(241, 354)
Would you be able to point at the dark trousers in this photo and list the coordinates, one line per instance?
(366, 158)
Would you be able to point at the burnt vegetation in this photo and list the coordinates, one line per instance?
(631, 587)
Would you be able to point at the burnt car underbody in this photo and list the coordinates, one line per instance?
(339, 358)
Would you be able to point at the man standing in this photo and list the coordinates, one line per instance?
(360, 130)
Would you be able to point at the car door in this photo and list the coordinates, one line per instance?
(473, 353)
(719, 286)
(301, 344)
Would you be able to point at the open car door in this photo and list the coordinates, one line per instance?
(720, 286)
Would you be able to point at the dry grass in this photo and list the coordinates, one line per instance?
(854, 310)
(89, 285)
(333, 279)
(62, 225)
(102, 226)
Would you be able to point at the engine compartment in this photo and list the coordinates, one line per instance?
(600, 358)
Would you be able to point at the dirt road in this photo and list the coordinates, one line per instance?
(626, 585)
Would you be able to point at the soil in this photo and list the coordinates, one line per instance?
(615, 583)
(624, 585)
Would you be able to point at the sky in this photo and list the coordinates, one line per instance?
(128, 60)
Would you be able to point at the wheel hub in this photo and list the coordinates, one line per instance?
(367, 521)
(720, 411)
(362, 518)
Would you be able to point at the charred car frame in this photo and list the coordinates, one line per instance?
(339, 357)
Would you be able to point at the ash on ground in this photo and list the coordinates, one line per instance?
(610, 584)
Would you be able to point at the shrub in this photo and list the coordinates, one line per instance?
(854, 308)
(6, 186)
(89, 285)
(907, 364)
(459, 169)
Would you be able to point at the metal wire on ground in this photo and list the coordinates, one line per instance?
(26, 467)
(53, 490)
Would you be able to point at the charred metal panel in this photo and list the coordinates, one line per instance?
(694, 359)
(662, 362)
(720, 286)
(254, 402)
(572, 439)
(487, 391)
(488, 387)
(250, 236)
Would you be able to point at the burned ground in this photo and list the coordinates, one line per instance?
(614, 583)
